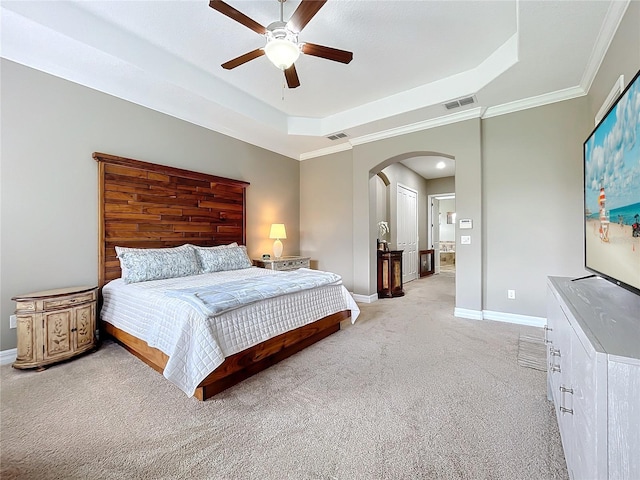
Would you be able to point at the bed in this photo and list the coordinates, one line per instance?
(148, 210)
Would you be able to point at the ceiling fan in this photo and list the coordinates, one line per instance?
(282, 46)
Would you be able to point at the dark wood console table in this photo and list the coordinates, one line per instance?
(390, 274)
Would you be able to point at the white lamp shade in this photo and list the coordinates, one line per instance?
(278, 231)
(282, 53)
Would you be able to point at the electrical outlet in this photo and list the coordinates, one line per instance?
(511, 294)
(13, 321)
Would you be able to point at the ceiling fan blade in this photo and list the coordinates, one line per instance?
(304, 13)
(292, 77)
(329, 53)
(236, 15)
(236, 62)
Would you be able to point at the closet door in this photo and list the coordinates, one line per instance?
(407, 235)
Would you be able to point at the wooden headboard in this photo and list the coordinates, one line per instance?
(144, 205)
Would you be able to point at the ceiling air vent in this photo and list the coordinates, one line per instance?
(337, 136)
(461, 102)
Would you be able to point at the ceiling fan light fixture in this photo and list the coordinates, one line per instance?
(282, 52)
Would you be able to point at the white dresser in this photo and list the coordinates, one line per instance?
(593, 376)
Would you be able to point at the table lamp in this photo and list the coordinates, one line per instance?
(277, 232)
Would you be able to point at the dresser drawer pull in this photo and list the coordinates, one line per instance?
(564, 390)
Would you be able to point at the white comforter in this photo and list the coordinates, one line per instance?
(196, 344)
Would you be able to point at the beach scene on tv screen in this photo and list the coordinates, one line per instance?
(612, 192)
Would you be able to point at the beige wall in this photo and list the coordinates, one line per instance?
(437, 186)
(532, 197)
(48, 211)
(326, 214)
(382, 204)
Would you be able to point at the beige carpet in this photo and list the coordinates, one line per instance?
(408, 392)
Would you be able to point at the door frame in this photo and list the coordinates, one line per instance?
(431, 224)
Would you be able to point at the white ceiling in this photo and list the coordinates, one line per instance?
(409, 57)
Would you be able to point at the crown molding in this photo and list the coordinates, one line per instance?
(326, 151)
(416, 127)
(609, 28)
(395, 132)
(532, 102)
(478, 112)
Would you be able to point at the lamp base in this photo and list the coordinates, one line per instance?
(277, 248)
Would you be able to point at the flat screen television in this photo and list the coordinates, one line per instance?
(612, 192)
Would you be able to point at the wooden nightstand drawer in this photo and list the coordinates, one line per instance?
(295, 264)
(284, 263)
(68, 301)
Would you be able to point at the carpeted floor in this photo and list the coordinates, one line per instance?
(408, 392)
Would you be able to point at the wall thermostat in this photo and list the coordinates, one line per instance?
(466, 223)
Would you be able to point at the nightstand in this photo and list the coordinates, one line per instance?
(283, 263)
(55, 325)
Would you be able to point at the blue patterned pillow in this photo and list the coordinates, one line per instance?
(144, 264)
(223, 259)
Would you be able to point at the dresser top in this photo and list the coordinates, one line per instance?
(609, 315)
(53, 293)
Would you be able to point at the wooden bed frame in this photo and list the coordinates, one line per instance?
(145, 205)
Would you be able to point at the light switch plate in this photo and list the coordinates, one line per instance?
(465, 240)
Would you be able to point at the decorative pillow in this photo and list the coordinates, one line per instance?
(144, 264)
(222, 259)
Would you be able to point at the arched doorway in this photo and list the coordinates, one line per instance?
(422, 175)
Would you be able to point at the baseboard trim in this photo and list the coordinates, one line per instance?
(500, 317)
(8, 356)
(514, 318)
(466, 313)
(365, 298)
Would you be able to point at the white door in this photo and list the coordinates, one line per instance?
(407, 231)
(435, 233)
